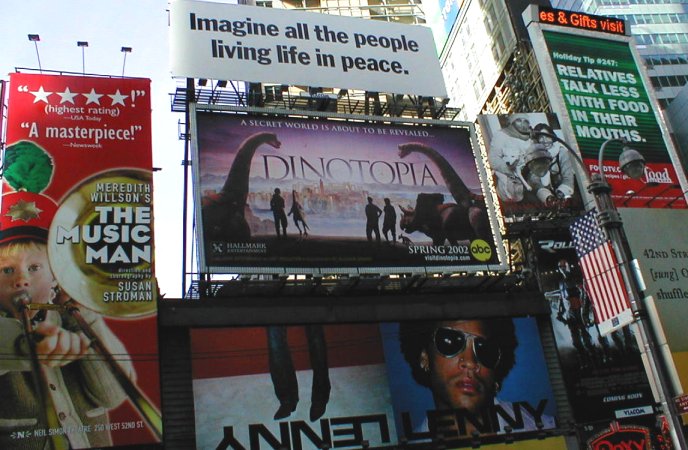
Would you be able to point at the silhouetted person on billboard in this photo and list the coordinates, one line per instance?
(277, 208)
(299, 215)
(373, 213)
(389, 223)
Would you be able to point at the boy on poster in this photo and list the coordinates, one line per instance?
(54, 386)
(84, 143)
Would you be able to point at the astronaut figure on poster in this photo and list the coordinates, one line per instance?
(508, 149)
(558, 183)
(513, 142)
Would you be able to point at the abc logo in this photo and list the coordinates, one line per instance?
(481, 250)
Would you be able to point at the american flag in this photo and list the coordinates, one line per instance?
(601, 273)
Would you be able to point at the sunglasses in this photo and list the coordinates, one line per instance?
(450, 342)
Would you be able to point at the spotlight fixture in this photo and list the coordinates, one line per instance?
(35, 39)
(125, 50)
(83, 45)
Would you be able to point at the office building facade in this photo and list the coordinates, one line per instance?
(487, 62)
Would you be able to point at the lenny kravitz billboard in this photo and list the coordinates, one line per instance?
(306, 386)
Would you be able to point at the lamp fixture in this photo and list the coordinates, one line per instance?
(35, 39)
(125, 50)
(83, 45)
(632, 163)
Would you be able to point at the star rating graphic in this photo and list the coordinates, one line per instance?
(92, 97)
(23, 210)
(67, 96)
(117, 98)
(41, 95)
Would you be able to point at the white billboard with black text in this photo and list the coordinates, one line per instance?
(238, 42)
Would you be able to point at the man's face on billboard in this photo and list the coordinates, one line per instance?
(25, 271)
(461, 380)
(521, 124)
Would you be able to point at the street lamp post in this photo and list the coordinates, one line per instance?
(36, 39)
(632, 164)
(83, 45)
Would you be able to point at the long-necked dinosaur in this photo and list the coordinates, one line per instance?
(465, 219)
(223, 215)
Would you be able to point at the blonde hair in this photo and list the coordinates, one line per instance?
(21, 246)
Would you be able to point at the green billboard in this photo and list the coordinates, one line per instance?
(605, 97)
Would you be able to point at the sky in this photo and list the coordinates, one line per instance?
(107, 26)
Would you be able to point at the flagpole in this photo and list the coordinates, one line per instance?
(609, 219)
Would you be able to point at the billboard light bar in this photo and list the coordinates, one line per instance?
(582, 21)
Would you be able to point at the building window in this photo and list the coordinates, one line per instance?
(669, 81)
(496, 52)
(499, 42)
(666, 60)
(662, 38)
(490, 18)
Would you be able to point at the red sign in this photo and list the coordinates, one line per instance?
(621, 436)
(681, 403)
(2, 105)
(78, 177)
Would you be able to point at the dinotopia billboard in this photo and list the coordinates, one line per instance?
(308, 195)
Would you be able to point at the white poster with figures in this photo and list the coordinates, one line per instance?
(513, 142)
